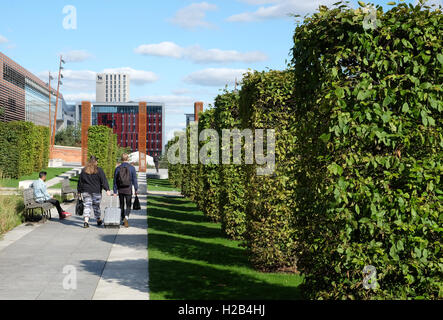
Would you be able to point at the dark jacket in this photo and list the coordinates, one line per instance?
(92, 183)
(134, 182)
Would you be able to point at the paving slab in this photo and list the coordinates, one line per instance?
(125, 276)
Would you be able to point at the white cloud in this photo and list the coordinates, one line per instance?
(170, 100)
(258, 2)
(77, 97)
(181, 91)
(432, 2)
(279, 9)
(76, 56)
(215, 77)
(199, 55)
(3, 39)
(138, 77)
(163, 49)
(193, 16)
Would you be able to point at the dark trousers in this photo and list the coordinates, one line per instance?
(125, 198)
(156, 166)
(56, 203)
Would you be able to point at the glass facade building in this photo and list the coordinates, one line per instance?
(123, 118)
(23, 96)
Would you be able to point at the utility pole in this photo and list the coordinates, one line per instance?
(50, 123)
(60, 76)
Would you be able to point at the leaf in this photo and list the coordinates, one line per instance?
(339, 92)
(325, 137)
(362, 4)
(405, 107)
(440, 58)
(387, 101)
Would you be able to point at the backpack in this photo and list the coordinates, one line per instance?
(124, 177)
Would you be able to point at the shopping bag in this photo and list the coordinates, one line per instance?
(136, 205)
(79, 206)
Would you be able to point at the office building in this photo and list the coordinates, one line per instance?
(112, 87)
(23, 96)
(123, 119)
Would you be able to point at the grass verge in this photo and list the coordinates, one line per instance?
(74, 181)
(11, 212)
(52, 173)
(189, 258)
(160, 185)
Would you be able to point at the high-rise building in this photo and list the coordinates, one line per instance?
(123, 119)
(112, 87)
(24, 97)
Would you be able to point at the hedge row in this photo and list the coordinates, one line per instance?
(102, 143)
(24, 148)
(369, 136)
(358, 126)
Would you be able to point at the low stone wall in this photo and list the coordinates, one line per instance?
(67, 154)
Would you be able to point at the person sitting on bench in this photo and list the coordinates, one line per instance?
(41, 195)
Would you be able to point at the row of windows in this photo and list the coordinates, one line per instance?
(115, 76)
(13, 76)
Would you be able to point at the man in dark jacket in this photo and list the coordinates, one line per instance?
(125, 177)
(156, 162)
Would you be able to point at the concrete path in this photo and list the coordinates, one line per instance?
(61, 260)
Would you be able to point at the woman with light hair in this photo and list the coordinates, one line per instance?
(91, 182)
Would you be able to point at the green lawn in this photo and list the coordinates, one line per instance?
(74, 181)
(52, 173)
(189, 258)
(160, 185)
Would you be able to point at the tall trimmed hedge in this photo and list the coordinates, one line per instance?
(369, 136)
(24, 148)
(265, 103)
(357, 182)
(102, 144)
(232, 200)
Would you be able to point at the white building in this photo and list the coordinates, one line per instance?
(112, 87)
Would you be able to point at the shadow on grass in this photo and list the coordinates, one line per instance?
(211, 253)
(179, 280)
(178, 215)
(191, 230)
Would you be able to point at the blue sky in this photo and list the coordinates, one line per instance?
(177, 52)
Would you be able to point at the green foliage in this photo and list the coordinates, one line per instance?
(369, 136)
(69, 137)
(24, 148)
(358, 154)
(232, 202)
(265, 103)
(102, 144)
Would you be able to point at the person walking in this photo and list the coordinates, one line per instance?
(156, 162)
(125, 177)
(41, 195)
(91, 182)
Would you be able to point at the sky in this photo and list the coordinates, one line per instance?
(176, 52)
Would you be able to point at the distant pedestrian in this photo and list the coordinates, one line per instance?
(91, 182)
(125, 177)
(156, 161)
(41, 195)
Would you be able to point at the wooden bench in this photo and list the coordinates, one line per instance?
(31, 205)
(66, 189)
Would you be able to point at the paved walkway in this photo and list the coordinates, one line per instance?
(37, 261)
